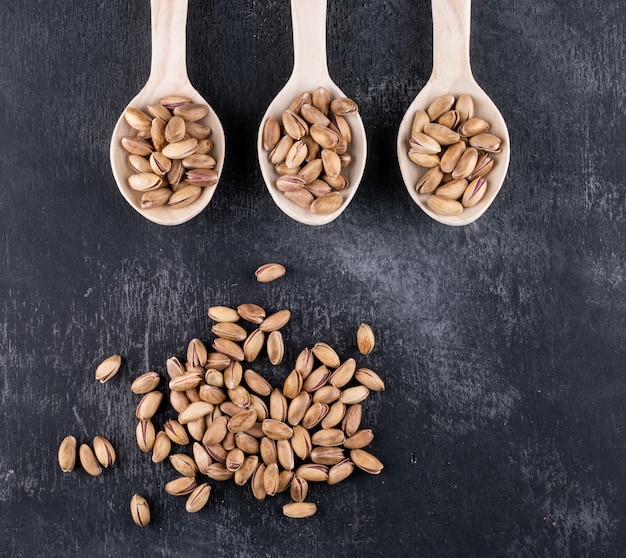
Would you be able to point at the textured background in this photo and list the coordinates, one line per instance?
(501, 343)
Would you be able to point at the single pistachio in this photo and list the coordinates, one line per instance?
(452, 190)
(331, 163)
(486, 142)
(173, 101)
(419, 121)
(199, 161)
(442, 134)
(198, 498)
(352, 419)
(192, 111)
(423, 159)
(301, 442)
(293, 384)
(466, 164)
(444, 206)
(354, 394)
(185, 196)
(327, 394)
(313, 149)
(313, 115)
(139, 510)
(223, 314)
(314, 415)
(451, 156)
(229, 408)
(148, 405)
(159, 111)
(160, 164)
(311, 171)
(234, 459)
(181, 149)
(259, 406)
(319, 188)
(247, 443)
(324, 136)
(365, 339)
(298, 489)
(145, 181)
(242, 421)
(316, 379)
(326, 355)
(137, 146)
(276, 430)
(253, 344)
(270, 272)
(108, 368)
(366, 461)
(299, 510)
(175, 129)
(284, 480)
(335, 415)
(217, 361)
(343, 106)
(320, 99)
(369, 379)
(181, 486)
(294, 125)
(146, 435)
(465, 107)
(187, 380)
(201, 457)
(359, 439)
(194, 411)
(439, 106)
(450, 119)
(251, 313)
(268, 451)
(139, 163)
(229, 348)
(344, 128)
(197, 427)
(327, 455)
(343, 374)
(229, 330)
(67, 454)
(279, 153)
(301, 197)
(277, 320)
(216, 431)
(302, 99)
(474, 192)
(271, 478)
(239, 396)
(219, 472)
(275, 347)
(423, 143)
(161, 448)
(204, 178)
(340, 471)
(298, 407)
(285, 454)
(278, 405)
(483, 167)
(218, 454)
(474, 127)
(214, 378)
(197, 131)
(175, 175)
(104, 451)
(304, 362)
(271, 133)
(155, 198)
(88, 460)
(176, 432)
(137, 119)
(178, 400)
(258, 488)
(328, 437)
(184, 464)
(429, 181)
(245, 472)
(289, 183)
(233, 374)
(312, 472)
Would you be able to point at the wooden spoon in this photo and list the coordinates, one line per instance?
(168, 76)
(452, 74)
(310, 70)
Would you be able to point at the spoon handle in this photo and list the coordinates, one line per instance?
(309, 38)
(169, 22)
(451, 37)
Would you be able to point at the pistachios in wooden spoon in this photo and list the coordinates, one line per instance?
(453, 125)
(195, 130)
(311, 142)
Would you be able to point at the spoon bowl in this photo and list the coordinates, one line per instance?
(452, 75)
(311, 71)
(168, 76)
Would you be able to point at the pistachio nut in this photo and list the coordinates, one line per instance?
(67, 454)
(88, 461)
(139, 510)
(108, 368)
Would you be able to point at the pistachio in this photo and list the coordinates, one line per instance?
(275, 347)
(293, 384)
(176, 432)
(105, 454)
(155, 198)
(466, 164)
(335, 415)
(311, 170)
(327, 455)
(483, 167)
(199, 161)
(343, 374)
(365, 339)
(452, 190)
(352, 419)
(67, 454)
(354, 395)
(185, 196)
(359, 439)
(324, 136)
(258, 488)
(242, 421)
(328, 437)
(301, 197)
(219, 472)
(313, 115)
(184, 464)
(429, 181)
(251, 313)
(326, 394)
(148, 405)
(278, 405)
(173, 101)
(314, 414)
(420, 119)
(247, 443)
(175, 175)
(175, 129)
(366, 461)
(425, 144)
(157, 110)
(319, 188)
(279, 153)
(88, 460)
(259, 405)
(304, 362)
(187, 380)
(271, 479)
(294, 125)
(326, 355)
(300, 510)
(465, 107)
(296, 155)
(139, 163)
(202, 177)
(369, 379)
(450, 119)
(320, 99)
(423, 159)
(239, 396)
(247, 469)
(139, 510)
(191, 112)
(234, 459)
(340, 471)
(318, 378)
(217, 360)
(451, 157)
(198, 498)
(137, 119)
(343, 106)
(223, 314)
(298, 407)
(277, 320)
(474, 192)
(233, 374)
(298, 489)
(277, 430)
(301, 442)
(312, 472)
(439, 106)
(181, 149)
(194, 411)
(486, 142)
(344, 129)
(181, 486)
(268, 450)
(145, 435)
(270, 272)
(161, 448)
(331, 163)
(442, 134)
(302, 99)
(474, 127)
(253, 344)
(108, 368)
(229, 348)
(271, 133)
(229, 330)
(137, 146)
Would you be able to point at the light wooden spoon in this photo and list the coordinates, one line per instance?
(310, 70)
(452, 74)
(168, 76)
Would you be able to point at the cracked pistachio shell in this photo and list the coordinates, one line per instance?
(139, 510)
(108, 368)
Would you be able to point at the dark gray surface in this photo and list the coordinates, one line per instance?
(501, 343)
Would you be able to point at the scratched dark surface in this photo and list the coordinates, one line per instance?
(501, 343)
